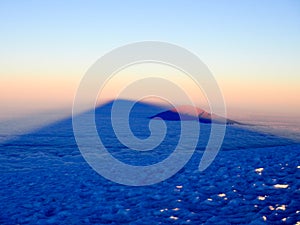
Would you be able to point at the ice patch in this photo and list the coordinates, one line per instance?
(281, 186)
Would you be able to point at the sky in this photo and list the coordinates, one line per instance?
(251, 47)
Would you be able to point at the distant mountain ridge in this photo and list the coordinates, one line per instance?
(187, 112)
(178, 113)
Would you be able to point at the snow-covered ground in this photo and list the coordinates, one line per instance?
(255, 179)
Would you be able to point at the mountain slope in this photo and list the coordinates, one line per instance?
(192, 113)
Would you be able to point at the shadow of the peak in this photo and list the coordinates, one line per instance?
(58, 139)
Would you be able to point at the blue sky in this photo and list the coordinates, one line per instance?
(248, 45)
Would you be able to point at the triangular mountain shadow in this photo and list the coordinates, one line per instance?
(58, 138)
(44, 179)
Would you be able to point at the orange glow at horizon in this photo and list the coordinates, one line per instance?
(21, 95)
(32, 94)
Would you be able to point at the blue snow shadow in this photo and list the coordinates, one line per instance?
(44, 179)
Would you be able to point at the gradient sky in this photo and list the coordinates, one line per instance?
(251, 47)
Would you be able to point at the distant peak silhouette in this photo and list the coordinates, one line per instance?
(188, 112)
(178, 113)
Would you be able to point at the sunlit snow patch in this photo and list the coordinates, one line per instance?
(281, 186)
